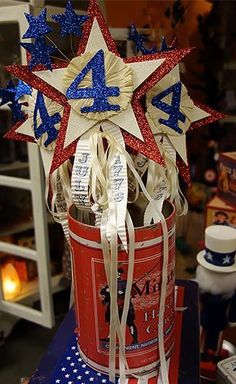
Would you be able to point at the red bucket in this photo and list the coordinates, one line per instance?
(92, 296)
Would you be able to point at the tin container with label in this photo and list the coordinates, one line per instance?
(92, 300)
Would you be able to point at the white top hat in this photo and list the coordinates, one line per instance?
(220, 249)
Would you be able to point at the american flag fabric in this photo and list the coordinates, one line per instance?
(73, 370)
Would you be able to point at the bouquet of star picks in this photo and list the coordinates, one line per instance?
(112, 136)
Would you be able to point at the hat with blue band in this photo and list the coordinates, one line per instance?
(220, 249)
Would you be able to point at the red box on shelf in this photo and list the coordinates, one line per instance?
(218, 212)
(227, 178)
(26, 269)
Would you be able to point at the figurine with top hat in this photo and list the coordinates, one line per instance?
(216, 276)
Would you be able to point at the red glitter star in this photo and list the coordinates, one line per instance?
(148, 147)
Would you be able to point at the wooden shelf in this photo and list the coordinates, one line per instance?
(30, 290)
(14, 166)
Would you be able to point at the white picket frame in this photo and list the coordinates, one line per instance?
(13, 11)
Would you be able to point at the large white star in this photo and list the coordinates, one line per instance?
(126, 119)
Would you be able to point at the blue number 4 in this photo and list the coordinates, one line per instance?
(172, 110)
(99, 91)
(47, 122)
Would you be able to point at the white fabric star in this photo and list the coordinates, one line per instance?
(75, 370)
(63, 369)
(79, 377)
(209, 256)
(58, 381)
(226, 259)
(87, 372)
(67, 375)
(68, 358)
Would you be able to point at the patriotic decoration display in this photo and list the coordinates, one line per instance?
(101, 123)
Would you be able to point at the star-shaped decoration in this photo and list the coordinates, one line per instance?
(38, 26)
(147, 70)
(139, 39)
(22, 89)
(40, 53)
(226, 260)
(63, 369)
(70, 22)
(58, 381)
(171, 113)
(7, 94)
(209, 256)
(17, 113)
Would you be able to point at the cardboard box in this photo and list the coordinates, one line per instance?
(218, 212)
(227, 178)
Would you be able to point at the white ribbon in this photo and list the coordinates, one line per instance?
(101, 188)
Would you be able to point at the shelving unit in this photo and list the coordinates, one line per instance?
(13, 12)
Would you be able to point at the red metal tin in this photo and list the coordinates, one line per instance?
(92, 299)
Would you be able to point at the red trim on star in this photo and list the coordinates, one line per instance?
(148, 147)
(23, 72)
(13, 135)
(214, 116)
(95, 12)
(184, 170)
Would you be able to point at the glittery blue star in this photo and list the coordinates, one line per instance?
(70, 22)
(22, 89)
(17, 113)
(40, 53)
(139, 39)
(164, 46)
(37, 25)
(7, 94)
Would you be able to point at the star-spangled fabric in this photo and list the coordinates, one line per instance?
(72, 370)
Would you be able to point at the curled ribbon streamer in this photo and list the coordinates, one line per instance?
(163, 364)
(118, 179)
(176, 195)
(61, 196)
(141, 164)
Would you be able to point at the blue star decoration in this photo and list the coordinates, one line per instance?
(7, 94)
(70, 22)
(164, 46)
(37, 25)
(22, 89)
(17, 113)
(139, 39)
(40, 53)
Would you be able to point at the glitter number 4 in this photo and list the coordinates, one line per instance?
(99, 91)
(47, 122)
(172, 110)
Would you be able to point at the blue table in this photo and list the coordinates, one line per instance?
(62, 355)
